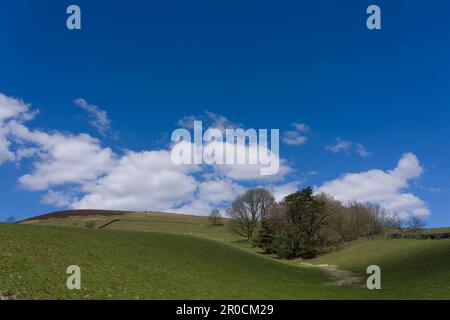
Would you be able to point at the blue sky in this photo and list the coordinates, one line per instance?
(257, 63)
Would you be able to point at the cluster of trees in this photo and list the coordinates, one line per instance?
(304, 224)
(295, 227)
(215, 218)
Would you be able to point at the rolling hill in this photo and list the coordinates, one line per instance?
(168, 256)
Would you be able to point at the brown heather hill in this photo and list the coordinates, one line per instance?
(76, 213)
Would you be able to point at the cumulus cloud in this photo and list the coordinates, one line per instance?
(210, 120)
(187, 122)
(5, 153)
(62, 158)
(211, 194)
(248, 157)
(57, 198)
(362, 151)
(301, 127)
(89, 175)
(57, 158)
(217, 191)
(221, 122)
(281, 191)
(140, 181)
(148, 180)
(340, 146)
(250, 170)
(11, 110)
(98, 118)
(296, 137)
(346, 146)
(384, 188)
(293, 138)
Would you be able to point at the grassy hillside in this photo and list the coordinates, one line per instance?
(410, 269)
(138, 265)
(167, 256)
(149, 222)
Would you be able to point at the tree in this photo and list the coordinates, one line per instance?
(393, 222)
(416, 223)
(10, 219)
(249, 209)
(353, 221)
(366, 219)
(303, 234)
(265, 236)
(215, 219)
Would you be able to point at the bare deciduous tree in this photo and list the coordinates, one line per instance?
(416, 223)
(355, 220)
(215, 219)
(393, 222)
(249, 209)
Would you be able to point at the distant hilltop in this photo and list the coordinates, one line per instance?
(77, 213)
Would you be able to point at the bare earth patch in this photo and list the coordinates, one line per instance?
(4, 296)
(340, 277)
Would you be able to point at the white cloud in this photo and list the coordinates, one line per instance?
(293, 138)
(210, 120)
(219, 190)
(340, 146)
(98, 117)
(96, 177)
(249, 172)
(26, 152)
(246, 172)
(281, 191)
(346, 146)
(62, 158)
(89, 175)
(11, 109)
(301, 127)
(58, 199)
(211, 194)
(385, 188)
(57, 158)
(140, 181)
(5, 153)
(259, 162)
(296, 137)
(220, 122)
(187, 122)
(362, 151)
(149, 181)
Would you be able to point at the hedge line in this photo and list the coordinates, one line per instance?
(420, 236)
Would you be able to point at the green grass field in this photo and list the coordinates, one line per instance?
(411, 269)
(164, 256)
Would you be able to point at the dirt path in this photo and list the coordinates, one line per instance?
(339, 277)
